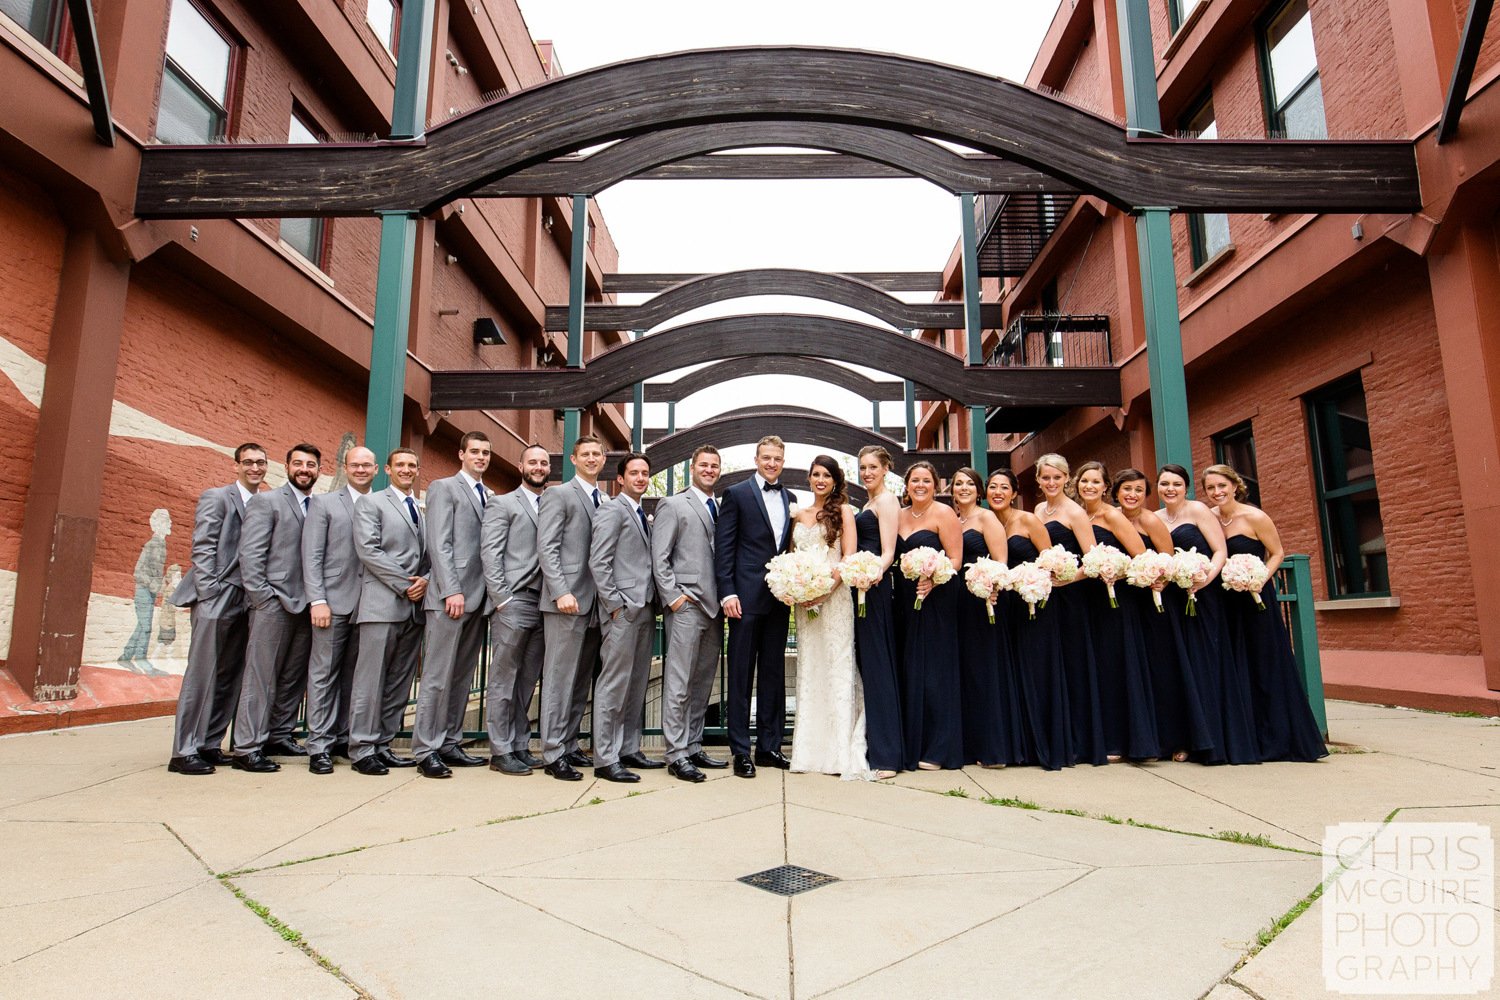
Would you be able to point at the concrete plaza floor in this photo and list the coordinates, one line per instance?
(120, 879)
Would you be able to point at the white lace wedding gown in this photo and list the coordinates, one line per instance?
(829, 736)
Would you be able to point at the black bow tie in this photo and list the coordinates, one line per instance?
(772, 487)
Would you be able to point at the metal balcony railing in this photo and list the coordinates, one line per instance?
(1055, 340)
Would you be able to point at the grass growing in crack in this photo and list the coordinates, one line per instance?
(288, 934)
(1268, 934)
(1253, 839)
(296, 861)
(1339, 748)
(596, 800)
(1010, 803)
(957, 793)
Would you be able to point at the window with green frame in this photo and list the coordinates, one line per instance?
(1348, 504)
(1208, 232)
(1235, 447)
(1178, 11)
(1289, 74)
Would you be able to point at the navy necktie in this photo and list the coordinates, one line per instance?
(713, 511)
(645, 526)
(305, 501)
(411, 506)
(480, 488)
(596, 498)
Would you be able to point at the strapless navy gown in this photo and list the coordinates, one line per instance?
(931, 716)
(1125, 701)
(1284, 725)
(875, 652)
(1222, 683)
(1046, 725)
(1180, 723)
(986, 672)
(1079, 666)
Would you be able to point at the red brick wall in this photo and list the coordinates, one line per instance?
(1389, 316)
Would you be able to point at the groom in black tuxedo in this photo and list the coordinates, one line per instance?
(753, 526)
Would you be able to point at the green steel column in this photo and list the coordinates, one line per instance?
(577, 282)
(979, 437)
(671, 428)
(910, 391)
(637, 408)
(398, 238)
(1153, 231)
(1305, 635)
(875, 415)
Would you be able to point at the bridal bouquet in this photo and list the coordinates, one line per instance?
(800, 578)
(1247, 574)
(926, 562)
(1107, 563)
(1187, 566)
(861, 570)
(1032, 584)
(1062, 564)
(985, 578)
(1147, 570)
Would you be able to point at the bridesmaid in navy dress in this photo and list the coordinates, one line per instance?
(1125, 699)
(986, 672)
(931, 715)
(1223, 683)
(1046, 726)
(1284, 725)
(1180, 724)
(874, 636)
(1067, 525)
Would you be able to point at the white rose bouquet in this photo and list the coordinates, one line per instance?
(800, 578)
(985, 578)
(861, 570)
(1247, 574)
(1107, 563)
(926, 563)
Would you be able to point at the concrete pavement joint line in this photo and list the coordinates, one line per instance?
(106, 923)
(786, 859)
(89, 895)
(377, 794)
(957, 934)
(1244, 989)
(83, 788)
(1226, 805)
(623, 944)
(292, 937)
(1437, 763)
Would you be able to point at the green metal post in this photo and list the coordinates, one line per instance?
(979, 437)
(637, 408)
(909, 389)
(577, 282)
(1153, 231)
(571, 420)
(875, 415)
(671, 427)
(1298, 569)
(398, 240)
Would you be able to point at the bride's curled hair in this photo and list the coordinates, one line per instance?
(831, 517)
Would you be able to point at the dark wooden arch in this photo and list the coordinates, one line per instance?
(643, 156)
(657, 93)
(795, 478)
(729, 285)
(654, 434)
(713, 375)
(755, 336)
(749, 425)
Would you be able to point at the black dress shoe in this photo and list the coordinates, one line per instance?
(340, 750)
(371, 765)
(772, 758)
(562, 770)
(216, 757)
(702, 759)
(284, 748)
(578, 758)
(432, 766)
(455, 757)
(530, 759)
(191, 764)
(641, 762)
(392, 759)
(255, 761)
(744, 767)
(616, 772)
(508, 763)
(320, 763)
(684, 770)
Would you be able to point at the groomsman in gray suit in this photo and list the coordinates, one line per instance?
(332, 575)
(513, 578)
(280, 632)
(388, 540)
(682, 552)
(570, 612)
(456, 608)
(212, 589)
(620, 561)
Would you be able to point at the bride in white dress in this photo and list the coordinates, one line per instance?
(829, 737)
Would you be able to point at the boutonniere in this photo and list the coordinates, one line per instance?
(650, 518)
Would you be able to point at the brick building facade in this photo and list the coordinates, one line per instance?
(136, 355)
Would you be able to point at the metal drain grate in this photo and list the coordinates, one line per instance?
(788, 880)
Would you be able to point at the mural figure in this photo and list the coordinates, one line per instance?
(150, 580)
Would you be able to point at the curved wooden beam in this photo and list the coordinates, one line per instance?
(714, 375)
(751, 424)
(657, 93)
(795, 478)
(907, 155)
(723, 287)
(758, 336)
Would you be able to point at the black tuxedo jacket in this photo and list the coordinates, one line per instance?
(744, 543)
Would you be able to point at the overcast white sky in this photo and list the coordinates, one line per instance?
(701, 226)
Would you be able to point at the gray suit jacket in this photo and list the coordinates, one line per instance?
(391, 549)
(507, 546)
(331, 571)
(454, 524)
(213, 578)
(620, 558)
(682, 552)
(271, 549)
(564, 536)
